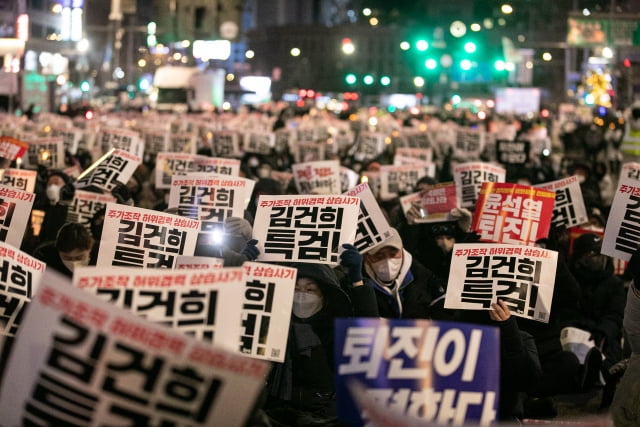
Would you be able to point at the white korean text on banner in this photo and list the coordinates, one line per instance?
(209, 198)
(189, 262)
(373, 227)
(48, 152)
(622, 233)
(219, 165)
(204, 304)
(115, 167)
(416, 154)
(105, 366)
(137, 237)
(440, 372)
(266, 310)
(436, 202)
(20, 276)
(305, 228)
(21, 179)
(322, 177)
(170, 164)
(402, 179)
(415, 139)
(469, 143)
(513, 213)
(514, 153)
(123, 139)
(469, 177)
(521, 276)
(84, 206)
(15, 211)
(155, 141)
(569, 209)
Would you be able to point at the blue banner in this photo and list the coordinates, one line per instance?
(441, 372)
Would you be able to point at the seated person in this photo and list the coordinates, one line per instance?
(72, 248)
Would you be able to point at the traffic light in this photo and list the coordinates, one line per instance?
(430, 64)
(350, 79)
(385, 80)
(422, 45)
(470, 47)
(466, 64)
(85, 86)
(368, 79)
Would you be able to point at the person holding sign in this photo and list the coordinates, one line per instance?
(301, 390)
(72, 248)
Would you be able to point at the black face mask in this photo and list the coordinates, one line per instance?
(588, 265)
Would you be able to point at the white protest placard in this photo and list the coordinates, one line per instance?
(436, 203)
(219, 165)
(113, 168)
(469, 177)
(630, 170)
(48, 152)
(21, 274)
(310, 152)
(204, 304)
(348, 179)
(21, 179)
(210, 198)
(189, 262)
(414, 139)
(569, 209)
(521, 276)
(259, 142)
(155, 141)
(266, 310)
(15, 211)
(469, 143)
(305, 228)
(120, 138)
(373, 227)
(226, 144)
(137, 237)
(322, 177)
(71, 138)
(373, 179)
(183, 142)
(402, 179)
(115, 368)
(412, 155)
(85, 204)
(622, 232)
(370, 145)
(170, 164)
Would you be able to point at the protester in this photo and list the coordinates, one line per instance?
(54, 201)
(72, 248)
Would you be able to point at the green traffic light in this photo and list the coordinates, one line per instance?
(465, 64)
(350, 78)
(368, 79)
(85, 86)
(430, 64)
(404, 45)
(470, 47)
(499, 65)
(422, 45)
(385, 80)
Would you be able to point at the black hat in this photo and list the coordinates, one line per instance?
(587, 243)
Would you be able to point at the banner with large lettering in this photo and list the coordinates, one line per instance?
(438, 372)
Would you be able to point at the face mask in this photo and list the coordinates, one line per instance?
(71, 265)
(306, 304)
(53, 193)
(388, 269)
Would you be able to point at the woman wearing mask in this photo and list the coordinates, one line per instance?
(301, 390)
(72, 248)
(403, 287)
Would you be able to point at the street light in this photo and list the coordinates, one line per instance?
(347, 46)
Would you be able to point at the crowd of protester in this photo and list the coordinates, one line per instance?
(405, 277)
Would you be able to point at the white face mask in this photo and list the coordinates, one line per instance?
(71, 265)
(53, 193)
(306, 304)
(387, 269)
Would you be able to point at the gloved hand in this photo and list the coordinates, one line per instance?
(351, 260)
(122, 194)
(251, 250)
(66, 194)
(463, 216)
(238, 227)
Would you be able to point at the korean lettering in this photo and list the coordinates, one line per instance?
(629, 232)
(7, 209)
(563, 212)
(258, 304)
(366, 234)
